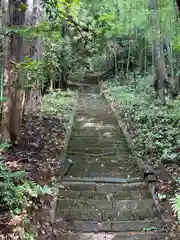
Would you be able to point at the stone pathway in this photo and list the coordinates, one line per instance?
(104, 196)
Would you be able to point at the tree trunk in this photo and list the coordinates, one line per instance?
(33, 17)
(158, 53)
(12, 109)
(178, 5)
(63, 79)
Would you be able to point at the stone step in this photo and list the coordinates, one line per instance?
(95, 119)
(95, 144)
(93, 131)
(138, 205)
(89, 90)
(120, 161)
(80, 143)
(89, 94)
(106, 169)
(90, 126)
(87, 108)
(100, 152)
(98, 115)
(106, 135)
(112, 236)
(132, 173)
(92, 150)
(104, 187)
(93, 107)
(102, 179)
(96, 134)
(95, 195)
(94, 104)
(117, 152)
(110, 226)
(160, 235)
(91, 97)
(113, 188)
(104, 210)
(99, 139)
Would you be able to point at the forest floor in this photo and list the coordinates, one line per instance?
(43, 135)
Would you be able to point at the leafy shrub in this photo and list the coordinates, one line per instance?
(155, 128)
(16, 193)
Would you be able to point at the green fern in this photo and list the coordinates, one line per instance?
(32, 189)
(176, 205)
(18, 196)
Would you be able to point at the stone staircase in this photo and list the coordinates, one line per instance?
(103, 196)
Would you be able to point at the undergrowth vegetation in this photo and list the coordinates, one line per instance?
(20, 193)
(155, 128)
(18, 197)
(16, 192)
(58, 104)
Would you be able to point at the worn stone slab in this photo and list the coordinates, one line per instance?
(79, 214)
(83, 203)
(88, 171)
(134, 226)
(111, 188)
(108, 226)
(112, 236)
(92, 226)
(133, 195)
(83, 226)
(129, 214)
(81, 195)
(136, 236)
(91, 124)
(92, 150)
(97, 115)
(77, 186)
(95, 144)
(102, 179)
(109, 159)
(94, 133)
(83, 209)
(100, 139)
(133, 204)
(81, 236)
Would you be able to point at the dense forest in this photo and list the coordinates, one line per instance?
(130, 48)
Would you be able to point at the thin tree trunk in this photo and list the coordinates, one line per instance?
(158, 53)
(63, 80)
